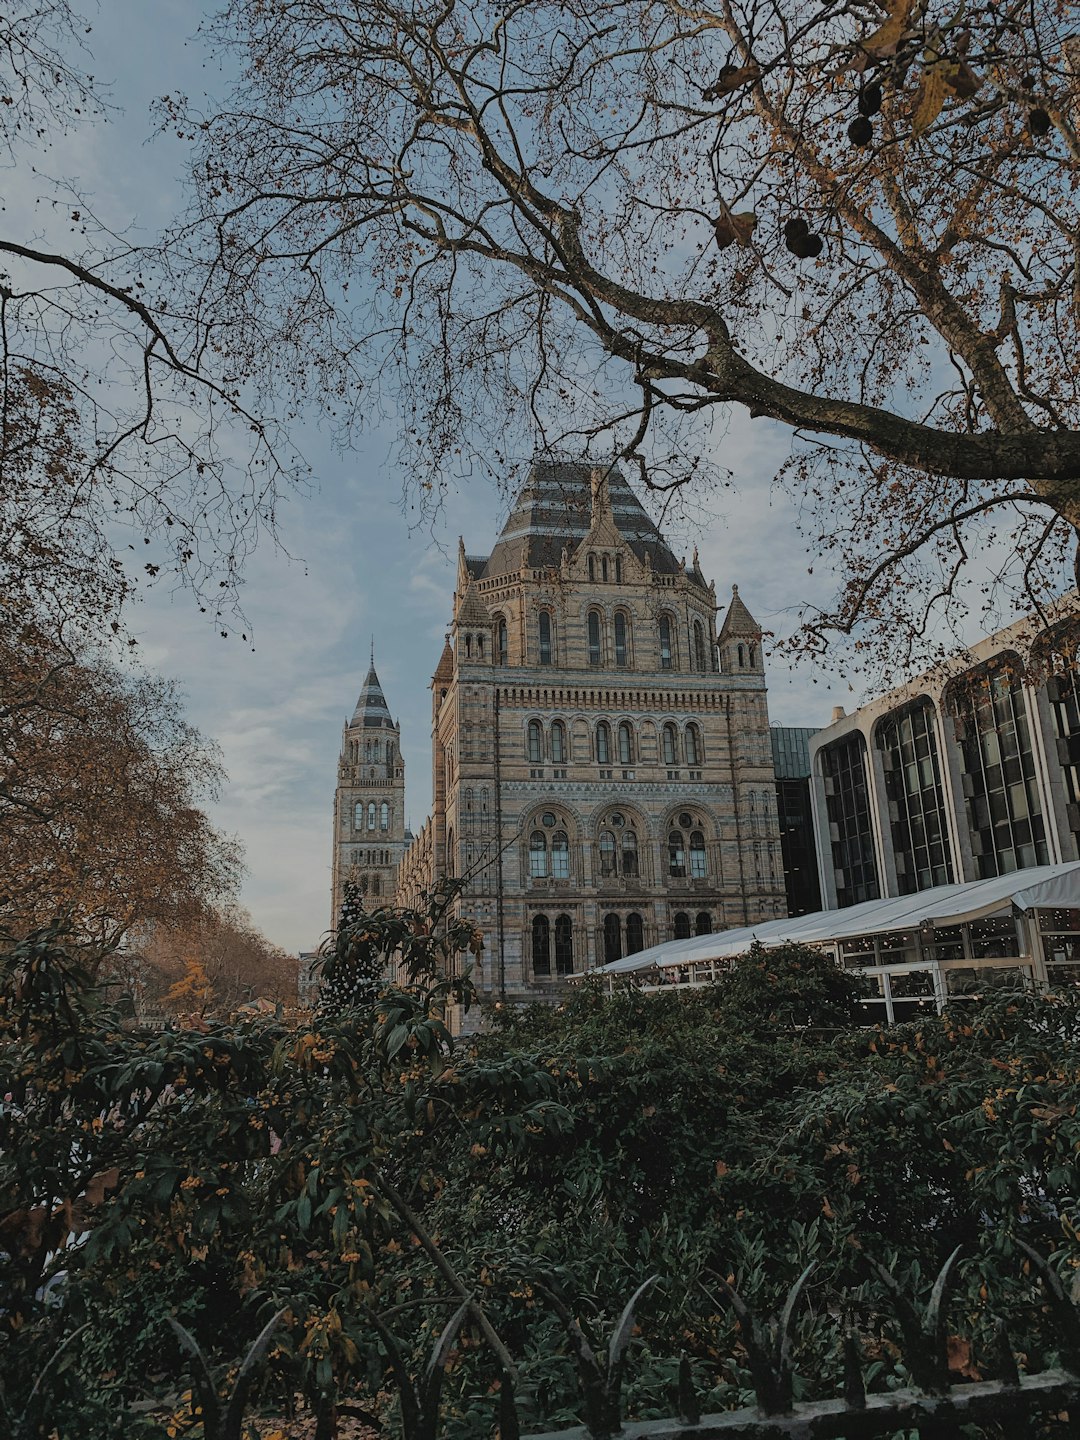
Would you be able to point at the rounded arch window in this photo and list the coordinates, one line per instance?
(593, 627)
(682, 925)
(560, 855)
(622, 638)
(558, 742)
(502, 641)
(384, 816)
(564, 945)
(450, 853)
(635, 933)
(676, 855)
(626, 743)
(618, 569)
(612, 938)
(667, 654)
(546, 632)
(699, 645)
(592, 568)
(541, 945)
(608, 853)
(375, 885)
(669, 744)
(698, 862)
(536, 743)
(629, 852)
(538, 855)
(604, 567)
(742, 657)
(603, 743)
(371, 815)
(693, 745)
(703, 924)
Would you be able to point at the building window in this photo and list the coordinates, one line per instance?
(564, 946)
(666, 657)
(626, 744)
(538, 859)
(468, 647)
(848, 807)
(909, 755)
(503, 642)
(618, 569)
(536, 743)
(450, 857)
(603, 569)
(371, 815)
(480, 646)
(558, 742)
(560, 855)
(1063, 693)
(699, 645)
(693, 745)
(697, 855)
(384, 816)
(612, 939)
(603, 743)
(704, 923)
(676, 855)
(742, 657)
(629, 852)
(545, 637)
(541, 945)
(669, 745)
(592, 569)
(358, 815)
(635, 934)
(1004, 810)
(595, 653)
(682, 925)
(375, 885)
(607, 854)
(622, 653)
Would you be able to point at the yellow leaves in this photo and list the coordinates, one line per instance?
(827, 1210)
(888, 36)
(930, 98)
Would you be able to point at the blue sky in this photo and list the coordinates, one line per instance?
(357, 565)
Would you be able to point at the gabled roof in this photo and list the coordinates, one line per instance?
(371, 709)
(738, 620)
(554, 510)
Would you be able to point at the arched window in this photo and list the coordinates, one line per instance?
(622, 653)
(697, 855)
(669, 744)
(358, 815)
(375, 885)
(480, 646)
(629, 854)
(389, 752)
(545, 637)
(607, 853)
(368, 756)
(450, 865)
(371, 815)
(468, 647)
(752, 655)
(682, 925)
(612, 939)
(503, 643)
(564, 946)
(618, 569)
(626, 744)
(595, 652)
(536, 743)
(560, 855)
(541, 945)
(538, 857)
(558, 742)
(603, 568)
(742, 657)
(704, 923)
(699, 645)
(384, 816)
(603, 743)
(693, 745)
(635, 934)
(666, 657)
(676, 856)
(592, 568)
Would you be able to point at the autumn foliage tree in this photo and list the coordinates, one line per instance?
(616, 221)
(102, 781)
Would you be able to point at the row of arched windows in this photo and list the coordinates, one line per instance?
(372, 752)
(375, 815)
(541, 945)
(608, 644)
(618, 850)
(620, 748)
(621, 937)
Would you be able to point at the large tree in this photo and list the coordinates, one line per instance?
(102, 783)
(612, 221)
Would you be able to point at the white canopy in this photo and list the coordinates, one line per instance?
(1044, 886)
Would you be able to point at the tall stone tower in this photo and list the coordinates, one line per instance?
(369, 802)
(602, 770)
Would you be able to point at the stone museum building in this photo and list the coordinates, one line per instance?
(602, 772)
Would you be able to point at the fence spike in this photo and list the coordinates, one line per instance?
(689, 1404)
(434, 1372)
(204, 1383)
(768, 1386)
(1006, 1359)
(624, 1330)
(922, 1358)
(934, 1324)
(1065, 1312)
(854, 1389)
(783, 1344)
(234, 1414)
(509, 1426)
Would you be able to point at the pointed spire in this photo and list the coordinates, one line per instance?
(738, 620)
(371, 710)
(444, 671)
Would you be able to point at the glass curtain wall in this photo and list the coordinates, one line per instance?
(920, 834)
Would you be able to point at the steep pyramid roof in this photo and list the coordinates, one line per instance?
(445, 668)
(554, 509)
(371, 709)
(738, 620)
(472, 612)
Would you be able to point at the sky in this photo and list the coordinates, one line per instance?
(354, 567)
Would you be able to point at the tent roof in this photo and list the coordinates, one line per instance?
(1043, 886)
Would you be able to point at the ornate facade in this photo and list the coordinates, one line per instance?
(602, 770)
(370, 837)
